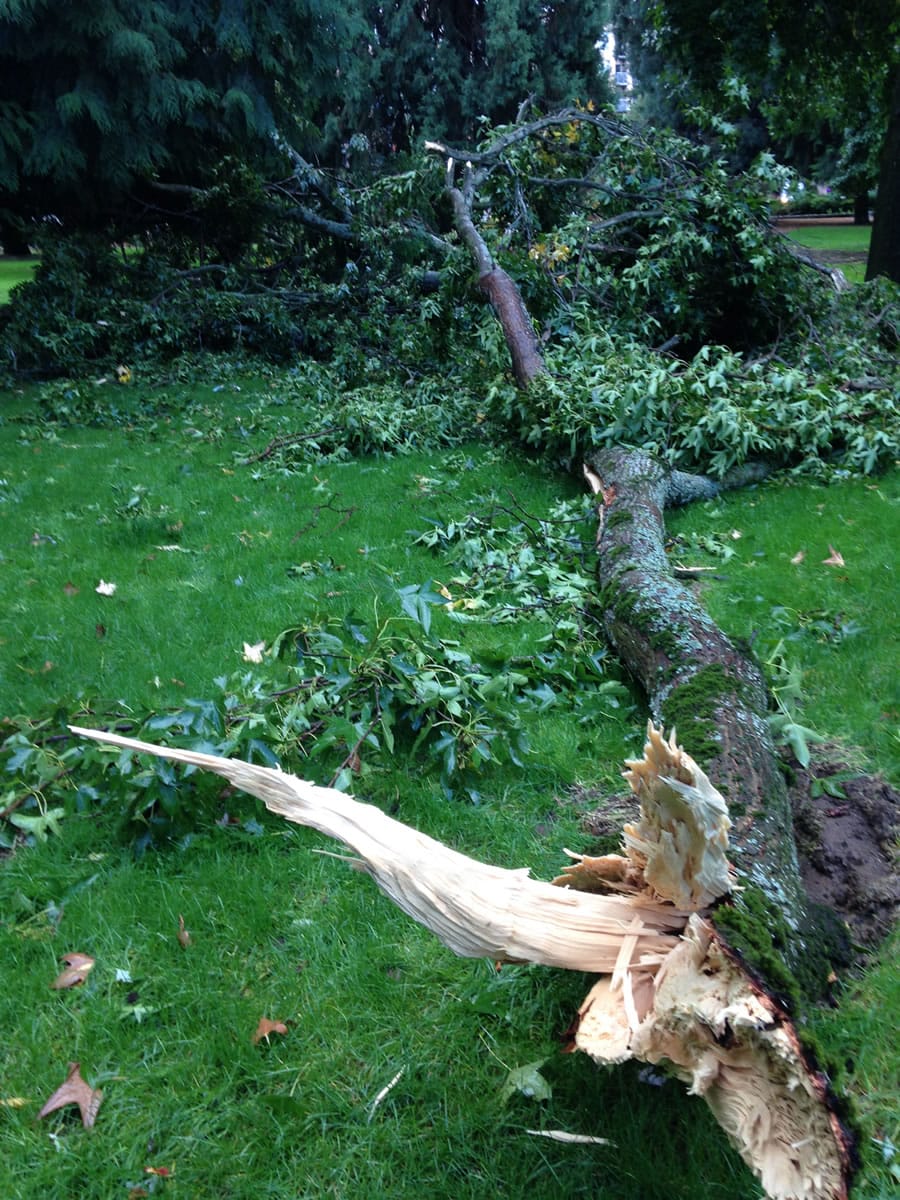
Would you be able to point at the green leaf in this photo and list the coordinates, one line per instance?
(529, 1081)
(41, 825)
(417, 600)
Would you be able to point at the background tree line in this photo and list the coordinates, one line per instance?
(107, 109)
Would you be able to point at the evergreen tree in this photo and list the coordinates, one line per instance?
(99, 97)
(433, 69)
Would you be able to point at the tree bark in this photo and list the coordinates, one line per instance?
(503, 294)
(695, 678)
(884, 249)
(693, 675)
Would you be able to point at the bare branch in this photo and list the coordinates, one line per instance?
(834, 275)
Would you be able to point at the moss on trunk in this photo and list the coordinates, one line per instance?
(697, 680)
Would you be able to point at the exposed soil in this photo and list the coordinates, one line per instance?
(846, 826)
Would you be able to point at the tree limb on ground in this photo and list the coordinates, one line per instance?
(694, 675)
(670, 989)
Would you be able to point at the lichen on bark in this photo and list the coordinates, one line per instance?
(697, 679)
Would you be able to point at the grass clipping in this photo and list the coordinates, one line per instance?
(670, 991)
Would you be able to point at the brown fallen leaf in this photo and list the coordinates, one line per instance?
(160, 1172)
(267, 1027)
(78, 967)
(184, 935)
(798, 557)
(75, 1091)
(835, 558)
(70, 589)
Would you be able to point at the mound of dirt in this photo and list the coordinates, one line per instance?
(846, 826)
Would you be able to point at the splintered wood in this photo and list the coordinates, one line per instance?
(669, 992)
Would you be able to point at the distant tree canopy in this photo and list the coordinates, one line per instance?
(820, 80)
(103, 101)
(437, 69)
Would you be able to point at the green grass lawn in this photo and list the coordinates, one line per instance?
(832, 242)
(772, 588)
(824, 237)
(13, 271)
(208, 554)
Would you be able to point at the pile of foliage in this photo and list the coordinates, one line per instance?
(339, 699)
(818, 407)
(672, 315)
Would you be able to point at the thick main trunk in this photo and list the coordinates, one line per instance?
(884, 250)
(724, 1027)
(694, 676)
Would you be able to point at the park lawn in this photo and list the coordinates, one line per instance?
(825, 237)
(14, 271)
(832, 242)
(208, 554)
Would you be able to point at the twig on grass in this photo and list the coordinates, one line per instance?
(280, 443)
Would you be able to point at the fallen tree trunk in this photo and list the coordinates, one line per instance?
(694, 677)
(670, 989)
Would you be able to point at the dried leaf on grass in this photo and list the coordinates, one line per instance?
(254, 653)
(184, 935)
(835, 558)
(266, 1027)
(78, 967)
(75, 1090)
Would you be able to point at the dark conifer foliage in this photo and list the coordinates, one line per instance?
(435, 69)
(100, 98)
